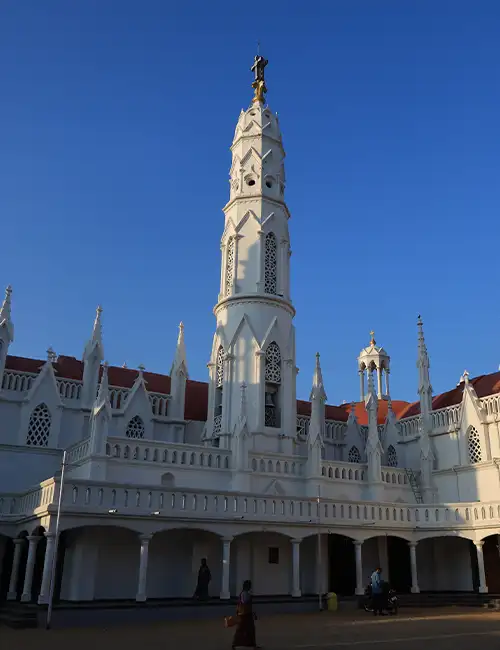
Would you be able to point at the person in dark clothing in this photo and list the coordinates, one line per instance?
(204, 578)
(377, 592)
(244, 637)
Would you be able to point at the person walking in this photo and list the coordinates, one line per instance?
(377, 592)
(204, 578)
(244, 636)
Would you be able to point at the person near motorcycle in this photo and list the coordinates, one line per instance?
(377, 592)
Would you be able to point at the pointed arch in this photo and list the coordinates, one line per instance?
(39, 426)
(230, 259)
(273, 363)
(273, 384)
(135, 428)
(392, 457)
(271, 264)
(219, 386)
(474, 446)
(219, 367)
(354, 456)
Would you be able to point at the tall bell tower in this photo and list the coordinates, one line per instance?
(254, 342)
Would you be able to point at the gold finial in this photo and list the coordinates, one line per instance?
(372, 340)
(259, 84)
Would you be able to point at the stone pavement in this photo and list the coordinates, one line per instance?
(451, 629)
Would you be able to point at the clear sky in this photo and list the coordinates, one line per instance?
(116, 118)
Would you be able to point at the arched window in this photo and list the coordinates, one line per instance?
(392, 457)
(273, 382)
(271, 264)
(219, 384)
(39, 426)
(229, 266)
(474, 446)
(135, 428)
(354, 456)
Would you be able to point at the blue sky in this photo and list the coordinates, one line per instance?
(116, 119)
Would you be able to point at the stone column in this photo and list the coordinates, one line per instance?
(360, 590)
(143, 569)
(30, 565)
(296, 592)
(362, 384)
(379, 383)
(43, 597)
(18, 548)
(483, 588)
(415, 589)
(225, 594)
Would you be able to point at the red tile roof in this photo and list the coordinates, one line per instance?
(197, 391)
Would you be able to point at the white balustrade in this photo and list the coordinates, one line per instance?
(277, 464)
(151, 451)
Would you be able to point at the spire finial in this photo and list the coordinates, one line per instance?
(51, 355)
(259, 84)
(6, 304)
(141, 367)
(372, 339)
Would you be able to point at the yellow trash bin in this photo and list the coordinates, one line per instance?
(332, 603)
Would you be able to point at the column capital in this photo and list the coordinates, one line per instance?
(18, 540)
(227, 540)
(260, 353)
(50, 535)
(33, 538)
(295, 541)
(145, 538)
(412, 544)
(357, 542)
(479, 544)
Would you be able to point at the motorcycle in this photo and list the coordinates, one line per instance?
(391, 601)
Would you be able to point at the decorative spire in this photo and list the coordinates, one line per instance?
(372, 339)
(6, 306)
(141, 367)
(51, 355)
(259, 84)
(96, 338)
(180, 360)
(5, 315)
(103, 394)
(424, 380)
(318, 388)
(465, 377)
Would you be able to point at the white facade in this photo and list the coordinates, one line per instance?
(163, 471)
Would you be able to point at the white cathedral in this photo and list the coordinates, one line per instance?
(300, 497)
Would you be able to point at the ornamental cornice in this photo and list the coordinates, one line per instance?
(254, 299)
(258, 196)
(257, 136)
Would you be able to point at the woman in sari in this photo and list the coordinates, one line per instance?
(244, 637)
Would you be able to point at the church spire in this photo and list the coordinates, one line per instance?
(424, 381)
(318, 388)
(93, 354)
(180, 359)
(178, 377)
(6, 330)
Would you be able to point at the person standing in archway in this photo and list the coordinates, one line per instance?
(204, 578)
(377, 592)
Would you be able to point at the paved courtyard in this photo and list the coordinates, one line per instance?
(454, 629)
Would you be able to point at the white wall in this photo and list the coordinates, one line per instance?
(444, 564)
